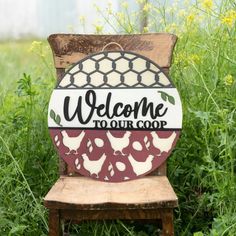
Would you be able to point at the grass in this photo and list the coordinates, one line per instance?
(202, 167)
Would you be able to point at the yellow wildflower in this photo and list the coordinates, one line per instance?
(229, 18)
(125, 5)
(82, 19)
(182, 13)
(187, 2)
(145, 29)
(98, 28)
(97, 8)
(190, 18)
(147, 7)
(71, 28)
(194, 58)
(140, 1)
(120, 16)
(129, 28)
(207, 4)
(171, 28)
(181, 59)
(228, 80)
(35, 46)
(109, 8)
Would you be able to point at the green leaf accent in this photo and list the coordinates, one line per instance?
(52, 114)
(166, 97)
(163, 96)
(171, 100)
(58, 120)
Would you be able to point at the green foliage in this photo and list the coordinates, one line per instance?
(202, 166)
(28, 163)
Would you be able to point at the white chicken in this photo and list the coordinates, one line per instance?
(93, 166)
(118, 144)
(163, 144)
(73, 143)
(141, 167)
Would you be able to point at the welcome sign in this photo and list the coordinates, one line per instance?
(115, 116)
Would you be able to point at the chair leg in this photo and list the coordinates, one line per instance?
(55, 228)
(167, 223)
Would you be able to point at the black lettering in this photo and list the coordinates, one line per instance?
(138, 108)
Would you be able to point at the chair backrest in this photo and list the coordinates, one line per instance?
(69, 48)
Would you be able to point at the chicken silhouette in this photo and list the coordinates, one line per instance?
(141, 167)
(93, 167)
(163, 144)
(73, 143)
(118, 144)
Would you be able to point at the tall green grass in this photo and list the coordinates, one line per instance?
(202, 167)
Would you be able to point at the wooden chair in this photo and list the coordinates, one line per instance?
(78, 198)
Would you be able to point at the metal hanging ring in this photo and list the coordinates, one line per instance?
(112, 43)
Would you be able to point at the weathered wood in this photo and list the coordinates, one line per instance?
(85, 193)
(69, 48)
(62, 167)
(167, 223)
(162, 169)
(54, 223)
(60, 73)
(123, 214)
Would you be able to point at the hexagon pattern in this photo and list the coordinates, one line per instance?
(114, 69)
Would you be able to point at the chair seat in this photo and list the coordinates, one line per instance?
(83, 193)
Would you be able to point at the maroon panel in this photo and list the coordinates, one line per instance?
(113, 155)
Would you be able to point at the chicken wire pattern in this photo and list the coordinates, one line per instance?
(114, 69)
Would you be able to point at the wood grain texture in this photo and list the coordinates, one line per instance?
(167, 223)
(54, 223)
(137, 214)
(70, 48)
(85, 193)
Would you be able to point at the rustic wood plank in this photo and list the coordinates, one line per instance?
(167, 223)
(123, 214)
(69, 48)
(85, 193)
(55, 228)
(161, 170)
(60, 73)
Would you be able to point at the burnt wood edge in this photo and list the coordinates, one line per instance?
(52, 39)
(111, 205)
(54, 43)
(53, 36)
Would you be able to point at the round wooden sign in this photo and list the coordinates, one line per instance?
(115, 116)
